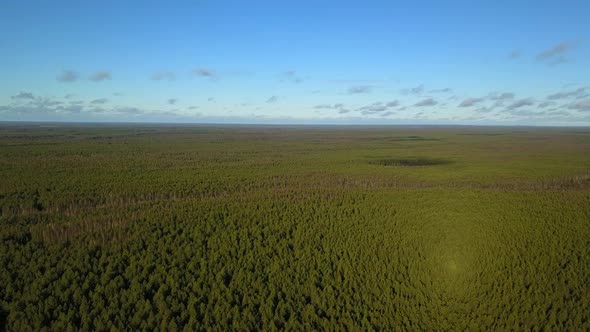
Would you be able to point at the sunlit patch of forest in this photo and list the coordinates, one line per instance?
(267, 228)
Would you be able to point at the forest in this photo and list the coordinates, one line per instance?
(194, 227)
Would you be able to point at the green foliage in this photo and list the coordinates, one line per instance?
(410, 162)
(241, 228)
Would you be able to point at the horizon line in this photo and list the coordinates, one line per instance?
(246, 124)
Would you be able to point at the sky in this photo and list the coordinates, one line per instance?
(296, 62)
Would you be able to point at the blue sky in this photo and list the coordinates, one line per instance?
(438, 62)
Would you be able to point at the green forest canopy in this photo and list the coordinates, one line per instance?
(246, 228)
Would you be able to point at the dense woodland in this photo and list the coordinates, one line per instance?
(299, 228)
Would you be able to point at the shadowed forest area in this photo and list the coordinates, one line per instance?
(143, 227)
